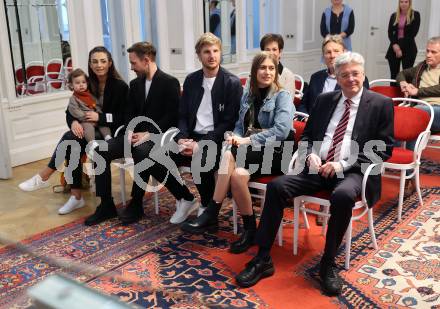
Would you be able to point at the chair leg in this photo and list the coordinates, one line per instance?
(280, 234)
(371, 228)
(296, 205)
(122, 184)
(325, 221)
(306, 220)
(234, 217)
(417, 179)
(348, 245)
(401, 193)
(156, 196)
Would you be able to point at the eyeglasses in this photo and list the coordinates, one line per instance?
(346, 75)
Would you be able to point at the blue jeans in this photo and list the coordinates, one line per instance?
(435, 123)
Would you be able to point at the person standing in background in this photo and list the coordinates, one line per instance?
(338, 19)
(402, 29)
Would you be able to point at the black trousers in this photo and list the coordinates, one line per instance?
(342, 200)
(77, 172)
(139, 153)
(204, 158)
(394, 63)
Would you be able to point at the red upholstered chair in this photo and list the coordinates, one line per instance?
(299, 89)
(35, 78)
(383, 86)
(19, 79)
(261, 182)
(409, 124)
(54, 73)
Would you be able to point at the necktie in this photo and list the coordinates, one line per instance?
(336, 144)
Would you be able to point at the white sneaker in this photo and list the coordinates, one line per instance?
(34, 183)
(200, 211)
(71, 205)
(183, 209)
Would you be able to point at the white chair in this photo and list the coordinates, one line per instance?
(322, 198)
(124, 164)
(409, 124)
(54, 74)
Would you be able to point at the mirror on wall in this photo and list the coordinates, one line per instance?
(220, 19)
(39, 43)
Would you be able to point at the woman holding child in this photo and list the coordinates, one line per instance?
(266, 116)
(110, 92)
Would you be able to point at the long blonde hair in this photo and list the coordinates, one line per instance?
(409, 14)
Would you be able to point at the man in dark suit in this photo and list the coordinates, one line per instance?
(324, 80)
(209, 107)
(338, 120)
(153, 94)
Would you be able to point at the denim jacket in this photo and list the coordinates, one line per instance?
(275, 116)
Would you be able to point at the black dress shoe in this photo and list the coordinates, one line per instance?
(245, 241)
(103, 212)
(255, 270)
(132, 213)
(331, 283)
(206, 222)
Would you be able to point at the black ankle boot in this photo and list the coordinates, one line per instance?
(245, 241)
(105, 211)
(206, 222)
(132, 213)
(247, 238)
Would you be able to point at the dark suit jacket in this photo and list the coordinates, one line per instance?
(314, 89)
(115, 103)
(161, 105)
(407, 43)
(226, 94)
(374, 121)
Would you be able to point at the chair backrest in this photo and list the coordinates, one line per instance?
(299, 123)
(243, 77)
(19, 74)
(35, 69)
(384, 86)
(412, 123)
(299, 83)
(54, 68)
(68, 66)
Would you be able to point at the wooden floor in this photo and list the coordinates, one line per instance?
(23, 214)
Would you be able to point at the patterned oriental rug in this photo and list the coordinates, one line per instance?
(405, 271)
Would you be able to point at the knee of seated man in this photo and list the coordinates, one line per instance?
(277, 186)
(340, 198)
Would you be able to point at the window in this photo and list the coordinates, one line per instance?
(39, 42)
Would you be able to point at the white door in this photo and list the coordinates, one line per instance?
(377, 41)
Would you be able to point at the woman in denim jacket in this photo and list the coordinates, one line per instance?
(265, 122)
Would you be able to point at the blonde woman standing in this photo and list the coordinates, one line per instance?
(402, 30)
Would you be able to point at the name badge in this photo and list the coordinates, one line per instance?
(221, 107)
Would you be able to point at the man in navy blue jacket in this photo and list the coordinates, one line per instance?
(324, 80)
(208, 108)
